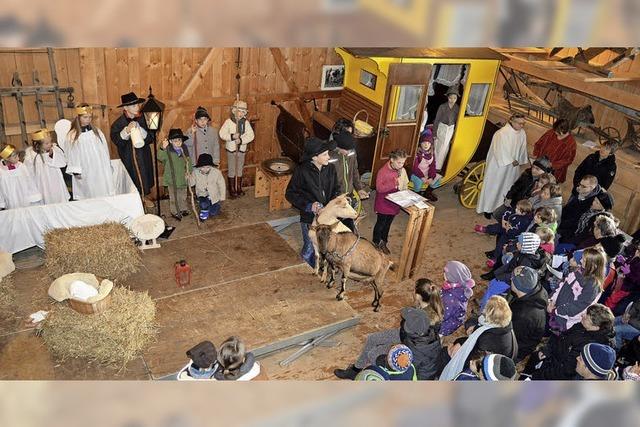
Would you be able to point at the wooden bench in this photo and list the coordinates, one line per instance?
(274, 186)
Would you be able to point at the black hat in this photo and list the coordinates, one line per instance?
(203, 354)
(314, 146)
(204, 160)
(544, 163)
(176, 133)
(345, 140)
(130, 99)
(453, 90)
(202, 112)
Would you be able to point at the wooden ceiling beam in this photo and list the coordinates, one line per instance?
(577, 83)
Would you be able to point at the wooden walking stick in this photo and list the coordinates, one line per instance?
(191, 195)
(137, 167)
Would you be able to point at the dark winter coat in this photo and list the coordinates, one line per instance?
(605, 169)
(572, 212)
(427, 350)
(499, 341)
(310, 184)
(522, 188)
(572, 298)
(125, 152)
(535, 261)
(529, 317)
(561, 352)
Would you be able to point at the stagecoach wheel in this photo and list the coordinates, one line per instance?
(609, 134)
(471, 185)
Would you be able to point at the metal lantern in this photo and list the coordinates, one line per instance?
(153, 110)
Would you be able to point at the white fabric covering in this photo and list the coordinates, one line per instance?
(81, 290)
(88, 156)
(48, 175)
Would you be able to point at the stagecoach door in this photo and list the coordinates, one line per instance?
(401, 113)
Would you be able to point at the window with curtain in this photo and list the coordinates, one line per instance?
(477, 99)
(408, 98)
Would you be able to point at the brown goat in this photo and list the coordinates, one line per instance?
(356, 258)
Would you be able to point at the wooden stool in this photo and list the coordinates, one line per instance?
(274, 186)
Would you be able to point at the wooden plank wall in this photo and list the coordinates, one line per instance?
(101, 75)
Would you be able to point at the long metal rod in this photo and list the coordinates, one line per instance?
(54, 80)
(32, 90)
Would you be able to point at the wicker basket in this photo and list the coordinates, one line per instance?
(90, 308)
(361, 128)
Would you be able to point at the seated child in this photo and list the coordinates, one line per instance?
(236, 364)
(456, 291)
(210, 186)
(423, 173)
(396, 366)
(512, 224)
(547, 239)
(490, 367)
(17, 186)
(550, 196)
(203, 363)
(543, 217)
(177, 167)
(526, 254)
(44, 159)
(626, 288)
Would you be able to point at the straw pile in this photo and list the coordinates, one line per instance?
(113, 337)
(7, 298)
(105, 250)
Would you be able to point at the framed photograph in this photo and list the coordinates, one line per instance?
(332, 77)
(368, 79)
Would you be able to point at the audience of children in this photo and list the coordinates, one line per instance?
(45, 160)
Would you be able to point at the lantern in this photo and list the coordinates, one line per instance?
(153, 111)
(183, 274)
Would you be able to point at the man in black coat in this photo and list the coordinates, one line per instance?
(557, 360)
(601, 164)
(579, 203)
(314, 184)
(528, 302)
(121, 136)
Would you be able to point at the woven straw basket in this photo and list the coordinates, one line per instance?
(361, 128)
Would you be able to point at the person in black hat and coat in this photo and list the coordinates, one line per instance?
(314, 184)
(203, 138)
(210, 186)
(345, 160)
(601, 164)
(121, 136)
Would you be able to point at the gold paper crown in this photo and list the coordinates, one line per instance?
(7, 151)
(40, 135)
(81, 111)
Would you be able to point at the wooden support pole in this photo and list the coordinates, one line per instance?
(54, 81)
(281, 63)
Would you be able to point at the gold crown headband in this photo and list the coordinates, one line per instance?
(7, 152)
(40, 135)
(81, 111)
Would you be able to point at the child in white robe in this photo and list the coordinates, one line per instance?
(44, 160)
(88, 159)
(17, 187)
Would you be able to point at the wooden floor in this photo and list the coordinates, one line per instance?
(247, 281)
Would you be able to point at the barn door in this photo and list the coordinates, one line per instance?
(402, 112)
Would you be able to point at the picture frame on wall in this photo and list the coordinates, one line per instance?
(332, 77)
(368, 79)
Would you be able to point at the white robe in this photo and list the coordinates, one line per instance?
(17, 187)
(507, 145)
(89, 157)
(47, 174)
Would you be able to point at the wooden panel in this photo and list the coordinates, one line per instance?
(351, 102)
(262, 184)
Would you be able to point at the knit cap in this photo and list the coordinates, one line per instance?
(530, 242)
(400, 358)
(599, 359)
(496, 367)
(524, 279)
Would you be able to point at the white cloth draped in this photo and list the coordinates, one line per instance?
(507, 146)
(88, 156)
(47, 174)
(444, 133)
(17, 188)
(26, 226)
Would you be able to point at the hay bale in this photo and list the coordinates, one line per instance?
(105, 250)
(113, 337)
(7, 298)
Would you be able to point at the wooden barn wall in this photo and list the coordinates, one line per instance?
(101, 75)
(604, 116)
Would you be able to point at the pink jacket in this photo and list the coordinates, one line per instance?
(386, 183)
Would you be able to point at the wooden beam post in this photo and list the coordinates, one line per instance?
(281, 63)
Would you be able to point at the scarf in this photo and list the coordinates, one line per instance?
(457, 363)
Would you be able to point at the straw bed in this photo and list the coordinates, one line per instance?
(7, 298)
(105, 250)
(114, 337)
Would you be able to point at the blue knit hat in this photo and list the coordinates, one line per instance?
(496, 367)
(599, 359)
(400, 358)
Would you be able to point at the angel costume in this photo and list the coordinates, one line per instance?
(507, 145)
(17, 187)
(45, 168)
(89, 162)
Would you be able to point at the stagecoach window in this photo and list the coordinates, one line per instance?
(406, 100)
(477, 99)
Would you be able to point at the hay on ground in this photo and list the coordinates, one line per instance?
(114, 337)
(105, 250)
(7, 298)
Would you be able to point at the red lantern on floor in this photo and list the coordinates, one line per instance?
(183, 273)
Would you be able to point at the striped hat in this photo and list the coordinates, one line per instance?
(400, 358)
(599, 359)
(530, 242)
(496, 367)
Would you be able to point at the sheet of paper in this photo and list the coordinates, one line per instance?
(405, 198)
(558, 260)
(589, 144)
